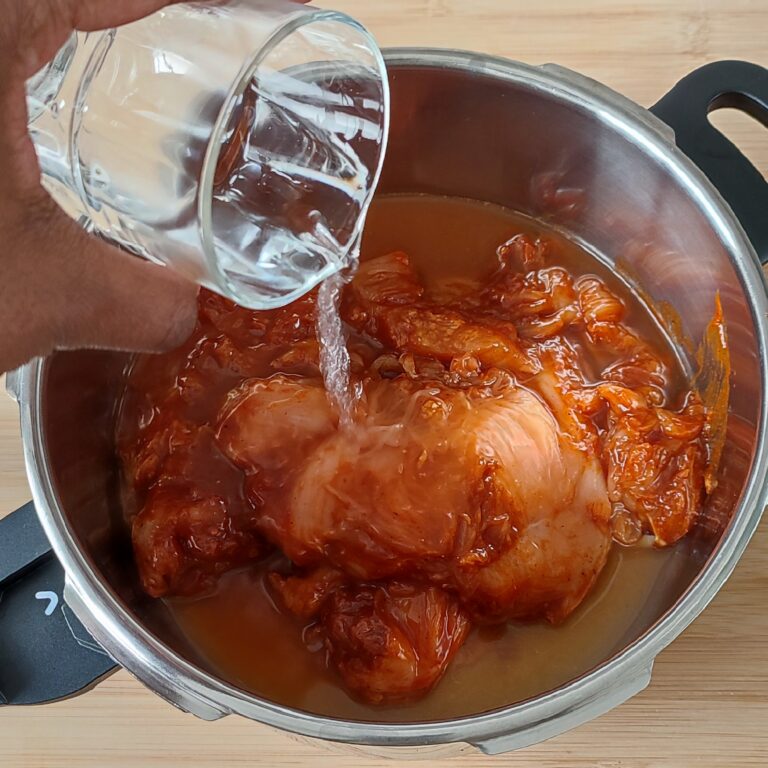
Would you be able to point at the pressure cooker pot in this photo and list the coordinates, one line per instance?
(661, 196)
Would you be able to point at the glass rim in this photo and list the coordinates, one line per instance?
(301, 18)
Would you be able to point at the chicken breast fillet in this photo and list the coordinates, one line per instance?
(475, 491)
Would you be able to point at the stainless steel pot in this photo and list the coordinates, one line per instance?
(545, 141)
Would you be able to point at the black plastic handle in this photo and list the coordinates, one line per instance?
(45, 652)
(742, 86)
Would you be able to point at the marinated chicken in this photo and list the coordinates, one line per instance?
(508, 431)
(469, 489)
(392, 642)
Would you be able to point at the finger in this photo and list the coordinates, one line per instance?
(121, 301)
(98, 14)
(64, 288)
(45, 25)
(52, 21)
(91, 15)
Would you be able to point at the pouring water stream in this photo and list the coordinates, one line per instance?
(334, 355)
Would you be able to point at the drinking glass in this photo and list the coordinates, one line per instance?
(239, 142)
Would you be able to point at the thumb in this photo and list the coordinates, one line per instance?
(63, 288)
(115, 300)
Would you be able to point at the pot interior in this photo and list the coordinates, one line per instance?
(505, 139)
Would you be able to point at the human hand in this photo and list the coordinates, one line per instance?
(59, 286)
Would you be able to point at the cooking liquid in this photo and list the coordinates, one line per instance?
(246, 639)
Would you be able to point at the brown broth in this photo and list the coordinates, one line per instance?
(251, 644)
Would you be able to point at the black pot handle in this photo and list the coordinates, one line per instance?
(45, 652)
(685, 108)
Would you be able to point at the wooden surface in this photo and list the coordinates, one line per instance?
(708, 703)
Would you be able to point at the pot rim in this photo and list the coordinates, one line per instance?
(195, 690)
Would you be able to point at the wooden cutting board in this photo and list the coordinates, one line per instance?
(708, 703)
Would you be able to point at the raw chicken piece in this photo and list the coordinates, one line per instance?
(194, 523)
(210, 371)
(385, 301)
(446, 334)
(248, 329)
(558, 555)
(265, 422)
(146, 457)
(302, 358)
(219, 316)
(545, 303)
(295, 322)
(183, 541)
(392, 642)
(444, 482)
(522, 253)
(367, 499)
(305, 595)
(656, 462)
(541, 303)
(637, 367)
(562, 387)
(387, 281)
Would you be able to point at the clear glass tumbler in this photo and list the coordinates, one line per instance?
(238, 142)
